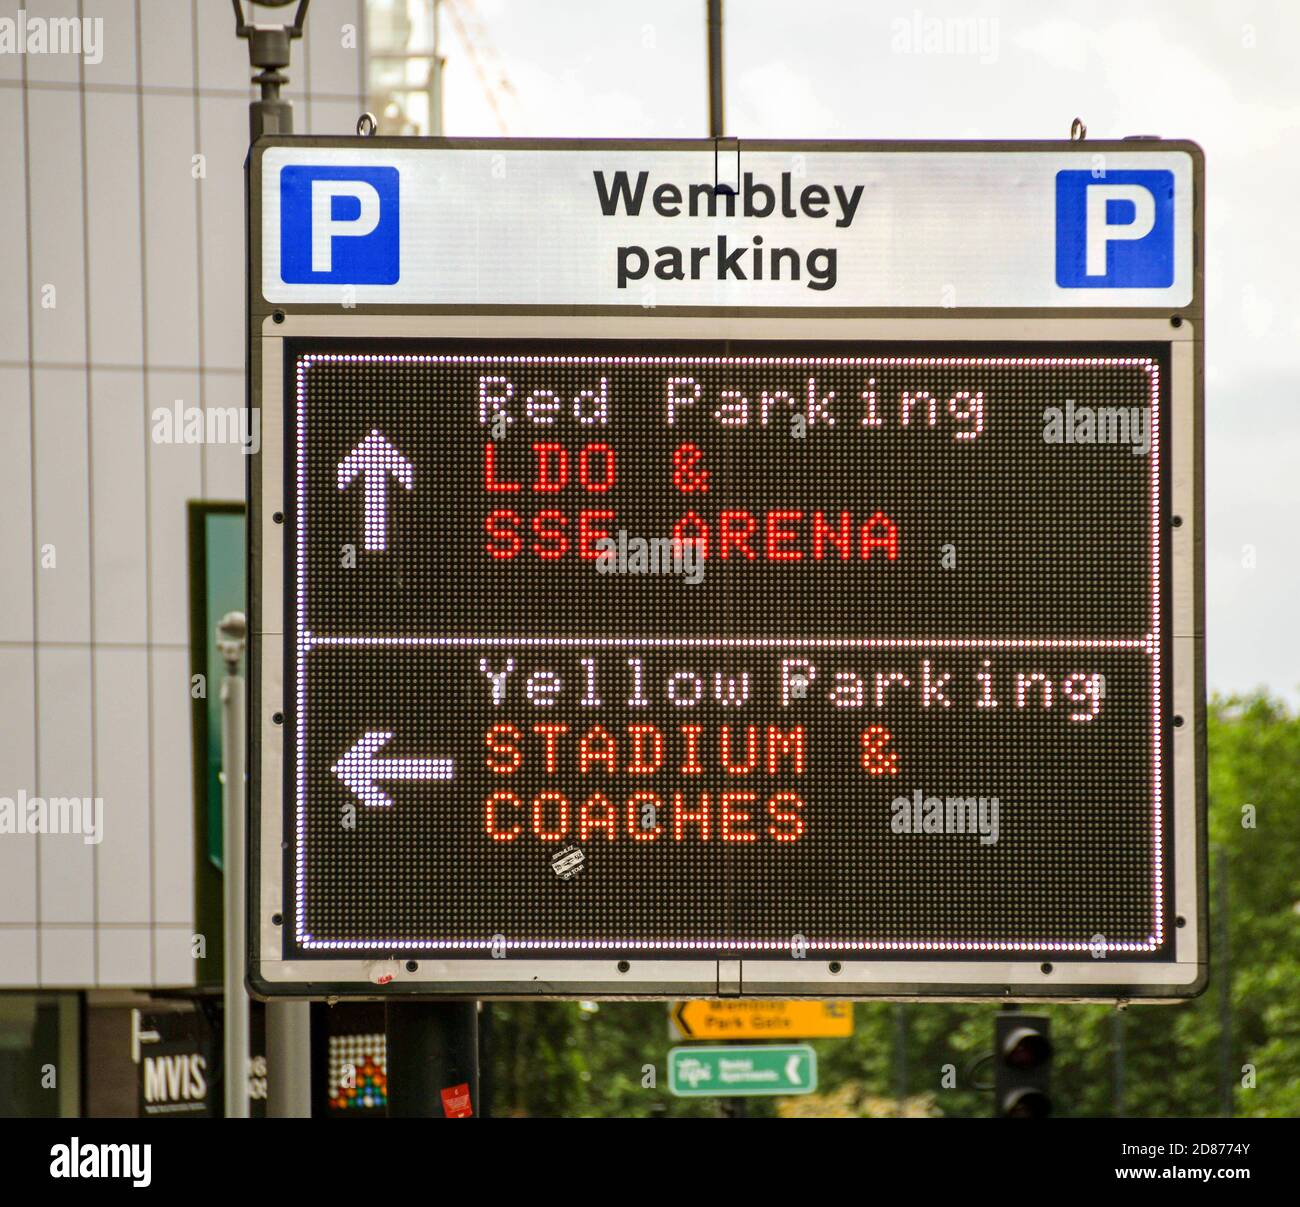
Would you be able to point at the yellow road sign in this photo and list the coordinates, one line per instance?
(760, 1020)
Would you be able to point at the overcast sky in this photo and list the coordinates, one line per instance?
(1221, 73)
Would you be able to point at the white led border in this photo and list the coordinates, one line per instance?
(305, 641)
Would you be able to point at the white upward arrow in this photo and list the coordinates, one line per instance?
(361, 771)
(377, 460)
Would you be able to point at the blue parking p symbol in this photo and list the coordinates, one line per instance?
(1115, 230)
(339, 225)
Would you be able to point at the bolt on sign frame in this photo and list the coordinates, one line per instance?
(419, 827)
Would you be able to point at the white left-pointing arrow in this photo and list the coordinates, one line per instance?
(377, 461)
(361, 771)
(792, 1070)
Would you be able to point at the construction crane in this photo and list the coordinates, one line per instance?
(498, 89)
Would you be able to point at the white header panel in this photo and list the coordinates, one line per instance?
(621, 227)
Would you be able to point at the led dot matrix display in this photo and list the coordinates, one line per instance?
(358, 1073)
(712, 649)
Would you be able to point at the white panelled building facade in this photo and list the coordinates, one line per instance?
(121, 293)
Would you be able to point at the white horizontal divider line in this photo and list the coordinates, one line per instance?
(309, 640)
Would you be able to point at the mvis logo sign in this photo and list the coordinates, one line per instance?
(339, 226)
(1115, 230)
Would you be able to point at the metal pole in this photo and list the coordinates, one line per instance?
(268, 50)
(435, 75)
(288, 1024)
(231, 632)
(900, 1053)
(288, 1060)
(733, 1108)
(1119, 1043)
(432, 1059)
(486, 1086)
(716, 124)
(1223, 971)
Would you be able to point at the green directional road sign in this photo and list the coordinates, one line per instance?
(730, 1072)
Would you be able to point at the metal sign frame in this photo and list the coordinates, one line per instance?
(1025, 977)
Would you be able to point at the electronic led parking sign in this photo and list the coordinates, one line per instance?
(774, 572)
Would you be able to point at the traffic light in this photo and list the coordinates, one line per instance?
(1022, 1057)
